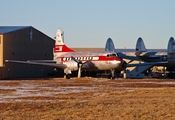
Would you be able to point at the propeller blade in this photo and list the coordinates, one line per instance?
(79, 62)
(79, 72)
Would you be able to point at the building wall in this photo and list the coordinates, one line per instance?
(26, 44)
(1, 51)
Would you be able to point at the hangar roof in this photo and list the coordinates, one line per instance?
(7, 29)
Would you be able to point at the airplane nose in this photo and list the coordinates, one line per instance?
(121, 64)
(120, 59)
(116, 62)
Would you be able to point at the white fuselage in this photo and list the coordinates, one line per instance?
(92, 61)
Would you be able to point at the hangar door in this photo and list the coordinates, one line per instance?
(1, 51)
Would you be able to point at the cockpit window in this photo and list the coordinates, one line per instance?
(114, 55)
(111, 55)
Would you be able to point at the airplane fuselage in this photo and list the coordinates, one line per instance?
(92, 61)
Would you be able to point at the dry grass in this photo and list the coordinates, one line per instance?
(85, 98)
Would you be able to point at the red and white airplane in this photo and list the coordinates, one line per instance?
(69, 60)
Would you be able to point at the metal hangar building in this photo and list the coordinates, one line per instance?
(24, 43)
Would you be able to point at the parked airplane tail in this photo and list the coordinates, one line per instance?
(60, 47)
(109, 45)
(140, 47)
(171, 49)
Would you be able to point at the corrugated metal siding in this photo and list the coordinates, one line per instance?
(1, 51)
(19, 46)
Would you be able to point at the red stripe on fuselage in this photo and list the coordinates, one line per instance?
(92, 58)
(62, 48)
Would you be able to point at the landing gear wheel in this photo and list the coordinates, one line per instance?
(111, 77)
(68, 76)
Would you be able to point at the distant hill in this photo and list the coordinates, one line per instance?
(88, 49)
(118, 50)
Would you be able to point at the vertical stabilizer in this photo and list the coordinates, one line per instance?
(58, 37)
(140, 47)
(171, 49)
(109, 45)
(60, 47)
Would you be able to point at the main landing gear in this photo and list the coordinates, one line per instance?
(112, 74)
(67, 76)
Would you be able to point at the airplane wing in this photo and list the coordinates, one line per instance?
(39, 63)
(147, 63)
(149, 54)
(124, 56)
(43, 61)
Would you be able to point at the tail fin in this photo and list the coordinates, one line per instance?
(109, 45)
(60, 47)
(140, 47)
(171, 49)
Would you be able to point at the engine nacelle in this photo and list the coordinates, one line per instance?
(72, 65)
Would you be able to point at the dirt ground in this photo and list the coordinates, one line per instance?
(87, 98)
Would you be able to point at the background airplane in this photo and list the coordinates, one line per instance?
(126, 54)
(138, 70)
(149, 56)
(164, 58)
(69, 60)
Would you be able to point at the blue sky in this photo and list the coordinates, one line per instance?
(89, 23)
